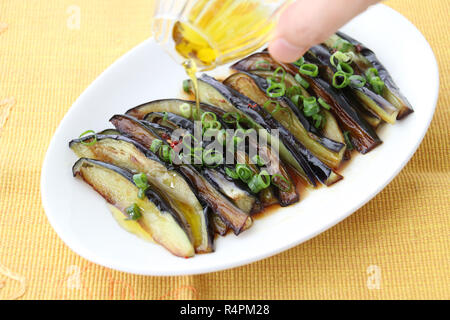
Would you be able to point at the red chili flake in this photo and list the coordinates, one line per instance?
(223, 101)
(358, 48)
(253, 106)
(176, 142)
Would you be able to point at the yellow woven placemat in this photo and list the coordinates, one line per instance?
(397, 246)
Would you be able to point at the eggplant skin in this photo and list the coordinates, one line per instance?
(126, 153)
(116, 185)
(233, 216)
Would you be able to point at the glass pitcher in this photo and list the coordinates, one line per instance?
(214, 32)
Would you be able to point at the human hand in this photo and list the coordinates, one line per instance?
(306, 23)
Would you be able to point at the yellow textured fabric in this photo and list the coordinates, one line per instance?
(400, 238)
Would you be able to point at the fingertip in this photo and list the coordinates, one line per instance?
(282, 50)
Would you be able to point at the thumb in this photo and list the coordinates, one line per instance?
(306, 23)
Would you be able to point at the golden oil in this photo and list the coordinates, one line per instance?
(191, 70)
(219, 31)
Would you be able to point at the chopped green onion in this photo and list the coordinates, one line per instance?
(299, 62)
(277, 71)
(186, 110)
(343, 45)
(357, 81)
(133, 212)
(276, 90)
(155, 145)
(371, 72)
(375, 81)
(324, 104)
(222, 137)
(206, 114)
(340, 80)
(231, 173)
(348, 140)
(140, 180)
(318, 118)
(258, 160)
(244, 172)
(186, 86)
(231, 117)
(94, 141)
(293, 91)
(212, 158)
(287, 183)
(165, 153)
(166, 115)
(259, 181)
(260, 62)
(310, 106)
(346, 68)
(303, 82)
(340, 56)
(296, 100)
(309, 69)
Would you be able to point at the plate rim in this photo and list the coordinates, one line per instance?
(246, 260)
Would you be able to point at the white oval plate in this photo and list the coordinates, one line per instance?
(82, 220)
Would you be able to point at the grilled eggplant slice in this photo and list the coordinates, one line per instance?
(158, 217)
(365, 59)
(312, 167)
(229, 103)
(233, 216)
(363, 136)
(164, 105)
(366, 98)
(254, 87)
(238, 193)
(129, 154)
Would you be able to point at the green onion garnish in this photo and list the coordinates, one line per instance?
(310, 106)
(140, 180)
(275, 74)
(258, 160)
(133, 212)
(346, 68)
(231, 117)
(324, 104)
(284, 185)
(343, 45)
(186, 86)
(357, 81)
(318, 120)
(186, 110)
(340, 80)
(261, 62)
(94, 141)
(299, 62)
(165, 116)
(231, 173)
(244, 172)
(339, 56)
(155, 145)
(165, 153)
(309, 69)
(348, 140)
(296, 100)
(293, 91)
(276, 90)
(375, 81)
(302, 81)
(259, 181)
(212, 158)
